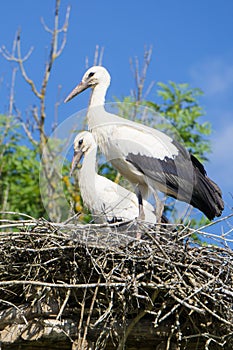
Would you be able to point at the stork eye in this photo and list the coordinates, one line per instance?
(90, 75)
(80, 142)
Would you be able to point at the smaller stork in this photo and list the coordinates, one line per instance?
(103, 197)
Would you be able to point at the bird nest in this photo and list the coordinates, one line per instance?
(98, 287)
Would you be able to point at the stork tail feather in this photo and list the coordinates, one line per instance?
(207, 196)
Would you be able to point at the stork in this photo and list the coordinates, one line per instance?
(148, 158)
(104, 198)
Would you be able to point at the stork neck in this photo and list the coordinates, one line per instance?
(98, 95)
(87, 172)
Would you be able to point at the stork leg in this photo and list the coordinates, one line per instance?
(159, 207)
(141, 214)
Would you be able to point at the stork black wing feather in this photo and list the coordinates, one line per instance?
(171, 175)
(182, 177)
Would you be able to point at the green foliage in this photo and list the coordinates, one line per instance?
(179, 104)
(108, 171)
(19, 172)
(197, 224)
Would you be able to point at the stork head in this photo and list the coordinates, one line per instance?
(94, 76)
(83, 142)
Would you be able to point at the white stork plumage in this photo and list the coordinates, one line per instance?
(107, 200)
(148, 158)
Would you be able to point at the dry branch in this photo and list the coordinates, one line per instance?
(38, 112)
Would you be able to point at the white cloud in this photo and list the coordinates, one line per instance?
(214, 76)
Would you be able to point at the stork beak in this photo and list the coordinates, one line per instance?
(79, 88)
(76, 159)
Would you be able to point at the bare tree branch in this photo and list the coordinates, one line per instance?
(39, 110)
(98, 57)
(141, 77)
(11, 100)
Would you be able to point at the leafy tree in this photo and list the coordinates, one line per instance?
(35, 126)
(180, 105)
(19, 171)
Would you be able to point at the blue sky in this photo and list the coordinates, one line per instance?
(192, 42)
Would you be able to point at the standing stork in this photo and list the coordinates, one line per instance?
(104, 198)
(148, 158)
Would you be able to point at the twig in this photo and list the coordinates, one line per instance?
(91, 310)
(63, 304)
(60, 285)
(137, 319)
